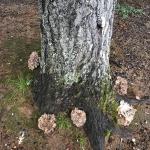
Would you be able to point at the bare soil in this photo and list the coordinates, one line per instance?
(129, 58)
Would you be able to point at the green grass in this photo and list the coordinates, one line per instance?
(20, 84)
(108, 103)
(125, 10)
(81, 139)
(18, 95)
(63, 122)
(108, 133)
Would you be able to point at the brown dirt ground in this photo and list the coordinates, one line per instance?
(130, 58)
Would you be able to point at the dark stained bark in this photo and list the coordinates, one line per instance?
(76, 37)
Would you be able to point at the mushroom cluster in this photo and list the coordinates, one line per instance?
(121, 85)
(126, 113)
(78, 117)
(47, 123)
(33, 61)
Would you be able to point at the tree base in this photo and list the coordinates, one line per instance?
(53, 99)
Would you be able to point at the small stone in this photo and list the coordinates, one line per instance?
(145, 121)
(121, 140)
(14, 147)
(133, 140)
(147, 113)
(137, 97)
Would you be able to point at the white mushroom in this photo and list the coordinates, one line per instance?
(78, 117)
(126, 113)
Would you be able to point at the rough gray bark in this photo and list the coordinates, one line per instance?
(76, 37)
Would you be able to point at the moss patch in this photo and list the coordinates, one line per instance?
(108, 103)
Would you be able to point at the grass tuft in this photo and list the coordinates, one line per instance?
(20, 85)
(63, 122)
(126, 10)
(81, 140)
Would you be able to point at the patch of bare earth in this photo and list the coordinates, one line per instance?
(130, 58)
(18, 20)
(131, 48)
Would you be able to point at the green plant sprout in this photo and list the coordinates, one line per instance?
(80, 138)
(20, 84)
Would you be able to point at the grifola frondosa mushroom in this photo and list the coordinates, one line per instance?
(33, 61)
(126, 113)
(78, 117)
(121, 85)
(47, 123)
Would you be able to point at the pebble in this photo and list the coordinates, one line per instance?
(133, 140)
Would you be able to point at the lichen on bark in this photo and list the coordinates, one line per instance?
(76, 38)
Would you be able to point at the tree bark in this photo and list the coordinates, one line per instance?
(76, 36)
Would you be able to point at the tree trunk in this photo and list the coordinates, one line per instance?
(76, 37)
